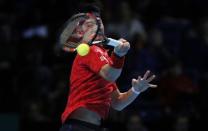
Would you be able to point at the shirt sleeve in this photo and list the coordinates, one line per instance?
(95, 60)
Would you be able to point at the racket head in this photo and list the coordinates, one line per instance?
(80, 28)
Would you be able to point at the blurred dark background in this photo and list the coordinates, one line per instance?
(168, 37)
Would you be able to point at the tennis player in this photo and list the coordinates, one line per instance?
(93, 88)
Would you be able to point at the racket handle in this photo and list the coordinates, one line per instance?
(113, 42)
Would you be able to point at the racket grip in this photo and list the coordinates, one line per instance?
(113, 42)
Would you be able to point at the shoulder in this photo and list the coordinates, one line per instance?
(97, 49)
(94, 50)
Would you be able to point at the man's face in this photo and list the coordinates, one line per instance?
(85, 30)
(89, 28)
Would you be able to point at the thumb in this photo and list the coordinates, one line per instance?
(134, 82)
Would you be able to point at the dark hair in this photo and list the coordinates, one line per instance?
(89, 8)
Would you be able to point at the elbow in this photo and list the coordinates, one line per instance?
(109, 76)
(117, 106)
(109, 73)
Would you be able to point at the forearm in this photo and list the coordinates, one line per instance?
(124, 99)
(112, 70)
(121, 100)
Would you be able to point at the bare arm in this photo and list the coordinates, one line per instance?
(109, 72)
(122, 100)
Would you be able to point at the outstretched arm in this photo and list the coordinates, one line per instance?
(122, 100)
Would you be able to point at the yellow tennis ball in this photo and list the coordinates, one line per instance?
(83, 49)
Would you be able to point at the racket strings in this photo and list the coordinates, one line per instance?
(74, 34)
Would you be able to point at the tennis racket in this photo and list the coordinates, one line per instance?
(83, 28)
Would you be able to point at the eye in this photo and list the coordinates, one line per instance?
(90, 25)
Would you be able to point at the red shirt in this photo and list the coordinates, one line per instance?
(87, 88)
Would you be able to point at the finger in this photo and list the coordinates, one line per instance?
(123, 40)
(134, 82)
(151, 78)
(127, 45)
(121, 43)
(120, 46)
(146, 74)
(152, 86)
(139, 78)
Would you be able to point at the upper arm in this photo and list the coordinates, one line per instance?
(109, 73)
(98, 62)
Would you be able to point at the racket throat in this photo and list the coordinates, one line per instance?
(108, 41)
